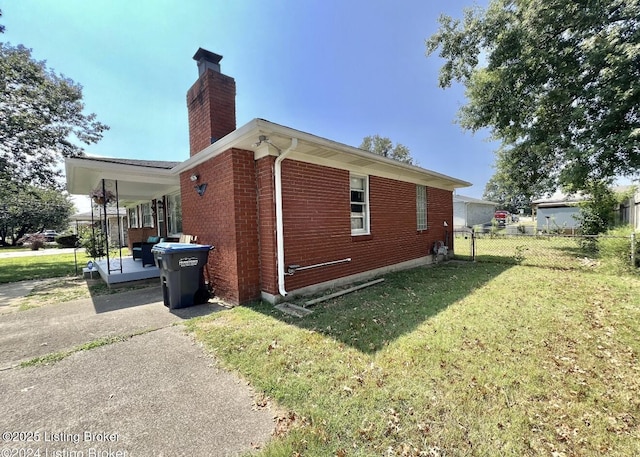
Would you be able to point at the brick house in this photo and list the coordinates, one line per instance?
(287, 211)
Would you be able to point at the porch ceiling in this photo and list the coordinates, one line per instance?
(135, 183)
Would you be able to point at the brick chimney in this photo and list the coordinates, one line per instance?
(211, 103)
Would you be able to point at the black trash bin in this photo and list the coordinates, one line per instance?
(182, 273)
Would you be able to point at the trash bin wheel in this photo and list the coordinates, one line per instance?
(201, 296)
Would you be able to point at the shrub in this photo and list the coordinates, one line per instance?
(67, 241)
(94, 242)
(614, 250)
(37, 241)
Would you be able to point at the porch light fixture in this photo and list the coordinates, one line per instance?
(194, 177)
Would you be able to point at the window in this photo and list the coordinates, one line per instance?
(421, 207)
(359, 205)
(147, 216)
(174, 214)
(133, 217)
(160, 218)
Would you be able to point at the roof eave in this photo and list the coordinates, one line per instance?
(246, 137)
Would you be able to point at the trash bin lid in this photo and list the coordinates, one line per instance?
(179, 247)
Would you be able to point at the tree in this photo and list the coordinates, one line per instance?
(500, 189)
(507, 186)
(384, 147)
(598, 212)
(557, 82)
(29, 209)
(41, 119)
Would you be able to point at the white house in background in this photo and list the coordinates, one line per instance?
(116, 223)
(559, 211)
(468, 211)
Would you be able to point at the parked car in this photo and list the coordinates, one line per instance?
(50, 235)
(502, 217)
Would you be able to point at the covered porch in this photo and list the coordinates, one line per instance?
(119, 187)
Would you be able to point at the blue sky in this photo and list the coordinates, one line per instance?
(338, 69)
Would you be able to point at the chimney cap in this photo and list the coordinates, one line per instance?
(203, 54)
(207, 60)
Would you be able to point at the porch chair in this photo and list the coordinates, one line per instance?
(188, 239)
(142, 250)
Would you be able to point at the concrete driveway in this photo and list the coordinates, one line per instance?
(153, 392)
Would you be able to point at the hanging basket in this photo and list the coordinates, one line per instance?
(101, 198)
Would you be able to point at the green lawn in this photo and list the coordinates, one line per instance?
(40, 267)
(562, 252)
(460, 359)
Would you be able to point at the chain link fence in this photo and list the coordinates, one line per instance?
(548, 250)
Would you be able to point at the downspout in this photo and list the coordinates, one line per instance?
(279, 218)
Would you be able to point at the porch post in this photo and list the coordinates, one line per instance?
(106, 224)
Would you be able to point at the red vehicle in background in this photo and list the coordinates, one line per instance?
(502, 217)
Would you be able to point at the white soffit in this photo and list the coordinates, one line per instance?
(320, 151)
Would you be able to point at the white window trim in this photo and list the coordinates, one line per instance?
(133, 221)
(367, 213)
(146, 211)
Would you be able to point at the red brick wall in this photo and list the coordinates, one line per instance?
(226, 217)
(439, 210)
(246, 225)
(211, 103)
(267, 224)
(237, 216)
(317, 223)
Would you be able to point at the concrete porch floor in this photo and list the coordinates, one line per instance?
(132, 270)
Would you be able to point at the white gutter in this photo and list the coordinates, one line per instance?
(279, 219)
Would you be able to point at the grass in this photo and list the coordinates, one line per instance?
(548, 251)
(54, 357)
(15, 269)
(461, 359)
(14, 249)
(62, 290)
(60, 282)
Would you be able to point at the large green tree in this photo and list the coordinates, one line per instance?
(30, 209)
(41, 119)
(511, 185)
(500, 189)
(557, 82)
(384, 147)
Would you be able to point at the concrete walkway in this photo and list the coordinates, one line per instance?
(157, 393)
(45, 251)
(13, 293)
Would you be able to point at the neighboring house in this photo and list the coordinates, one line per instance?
(115, 226)
(287, 211)
(468, 211)
(557, 212)
(560, 210)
